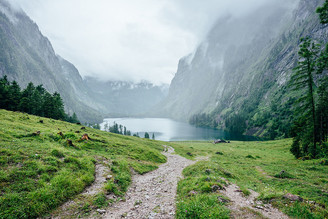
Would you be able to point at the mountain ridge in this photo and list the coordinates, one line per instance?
(242, 68)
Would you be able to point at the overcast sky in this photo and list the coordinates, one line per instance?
(128, 39)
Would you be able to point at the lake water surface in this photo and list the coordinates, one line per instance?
(170, 130)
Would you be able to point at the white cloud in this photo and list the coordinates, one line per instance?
(128, 39)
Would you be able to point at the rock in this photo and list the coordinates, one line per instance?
(101, 211)
(218, 141)
(292, 197)
(85, 137)
(147, 196)
(223, 200)
(208, 171)
(189, 154)
(36, 133)
(70, 142)
(108, 177)
(82, 128)
(259, 207)
(215, 188)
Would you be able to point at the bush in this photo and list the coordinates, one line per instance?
(57, 153)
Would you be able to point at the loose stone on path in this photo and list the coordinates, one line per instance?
(152, 195)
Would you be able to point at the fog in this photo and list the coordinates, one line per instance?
(129, 40)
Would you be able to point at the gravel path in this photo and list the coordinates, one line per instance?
(152, 195)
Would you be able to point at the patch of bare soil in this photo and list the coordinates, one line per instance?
(258, 168)
(152, 195)
(248, 207)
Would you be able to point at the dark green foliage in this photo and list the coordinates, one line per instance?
(33, 100)
(57, 153)
(147, 135)
(284, 175)
(100, 200)
(203, 120)
(236, 123)
(310, 120)
(117, 129)
(323, 13)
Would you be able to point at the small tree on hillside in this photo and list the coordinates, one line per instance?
(147, 135)
(323, 13)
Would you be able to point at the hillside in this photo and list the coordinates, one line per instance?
(240, 72)
(44, 163)
(40, 171)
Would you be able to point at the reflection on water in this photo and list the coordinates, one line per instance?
(170, 130)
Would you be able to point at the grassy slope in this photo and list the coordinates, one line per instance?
(39, 173)
(251, 165)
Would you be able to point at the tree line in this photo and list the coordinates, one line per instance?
(117, 129)
(310, 81)
(34, 100)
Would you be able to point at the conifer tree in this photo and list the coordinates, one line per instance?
(302, 81)
(14, 96)
(323, 13)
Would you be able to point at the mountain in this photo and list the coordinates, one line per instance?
(122, 98)
(240, 72)
(28, 56)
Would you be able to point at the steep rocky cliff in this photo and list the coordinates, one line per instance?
(241, 69)
(27, 56)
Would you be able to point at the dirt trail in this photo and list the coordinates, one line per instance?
(152, 195)
(248, 207)
(65, 211)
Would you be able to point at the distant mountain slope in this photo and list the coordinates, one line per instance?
(242, 68)
(123, 98)
(26, 55)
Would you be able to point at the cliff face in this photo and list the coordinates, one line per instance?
(244, 63)
(27, 56)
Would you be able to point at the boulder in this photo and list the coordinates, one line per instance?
(292, 197)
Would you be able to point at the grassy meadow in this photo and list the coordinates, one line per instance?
(39, 172)
(40, 169)
(251, 165)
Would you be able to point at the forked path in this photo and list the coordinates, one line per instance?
(152, 195)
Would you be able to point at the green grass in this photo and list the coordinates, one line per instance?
(38, 173)
(266, 167)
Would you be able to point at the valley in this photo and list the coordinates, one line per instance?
(241, 131)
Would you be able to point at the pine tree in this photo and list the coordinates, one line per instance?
(4, 84)
(58, 107)
(302, 81)
(323, 13)
(27, 103)
(14, 96)
(153, 137)
(146, 135)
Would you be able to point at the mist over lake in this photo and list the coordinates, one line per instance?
(170, 130)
